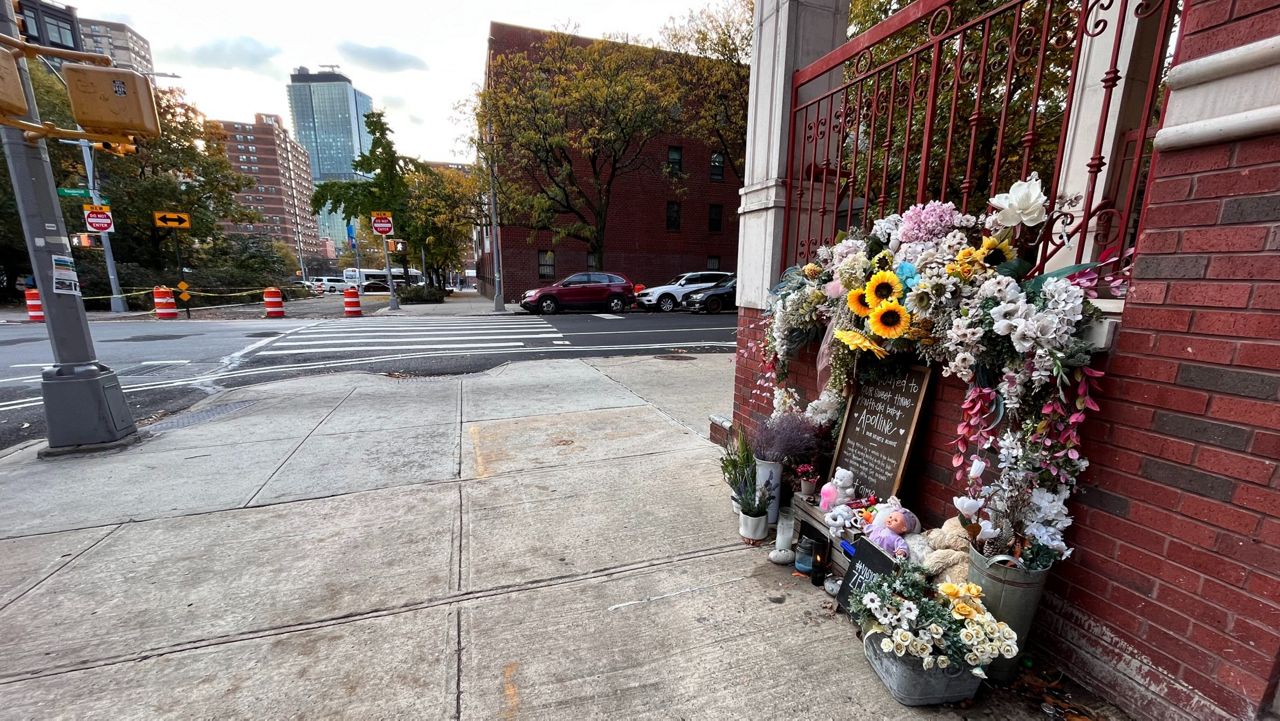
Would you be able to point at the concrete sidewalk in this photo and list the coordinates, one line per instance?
(549, 539)
(460, 302)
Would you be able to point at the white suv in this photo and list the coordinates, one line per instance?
(667, 297)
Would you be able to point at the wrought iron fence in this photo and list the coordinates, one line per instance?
(956, 99)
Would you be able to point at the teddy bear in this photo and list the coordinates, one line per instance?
(838, 491)
(949, 559)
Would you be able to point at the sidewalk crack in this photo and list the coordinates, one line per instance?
(295, 448)
(58, 570)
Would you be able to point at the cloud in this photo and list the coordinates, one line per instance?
(395, 102)
(417, 120)
(242, 53)
(381, 58)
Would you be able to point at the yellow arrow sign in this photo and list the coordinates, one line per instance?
(167, 219)
(185, 296)
(183, 285)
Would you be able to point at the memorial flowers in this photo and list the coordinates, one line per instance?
(945, 287)
(940, 626)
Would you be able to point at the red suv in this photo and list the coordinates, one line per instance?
(582, 290)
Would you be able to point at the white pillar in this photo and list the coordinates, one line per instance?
(789, 34)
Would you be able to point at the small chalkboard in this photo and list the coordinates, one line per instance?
(879, 424)
(865, 563)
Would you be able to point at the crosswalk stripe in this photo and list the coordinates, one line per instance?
(348, 349)
(424, 331)
(379, 341)
(430, 329)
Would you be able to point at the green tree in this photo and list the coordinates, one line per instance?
(445, 204)
(564, 121)
(715, 61)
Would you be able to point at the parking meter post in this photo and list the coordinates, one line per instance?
(83, 401)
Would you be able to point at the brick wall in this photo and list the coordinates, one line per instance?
(1171, 603)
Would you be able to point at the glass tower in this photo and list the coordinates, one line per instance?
(328, 119)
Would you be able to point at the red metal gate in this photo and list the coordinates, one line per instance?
(957, 99)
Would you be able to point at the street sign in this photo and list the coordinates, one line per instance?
(183, 285)
(185, 296)
(166, 219)
(381, 222)
(396, 246)
(97, 218)
(74, 193)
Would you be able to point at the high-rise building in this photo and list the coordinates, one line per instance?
(281, 193)
(117, 41)
(50, 23)
(328, 118)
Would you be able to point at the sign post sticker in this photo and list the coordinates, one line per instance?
(380, 221)
(97, 218)
(65, 280)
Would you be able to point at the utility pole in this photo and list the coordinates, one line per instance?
(83, 402)
(391, 282)
(494, 234)
(118, 304)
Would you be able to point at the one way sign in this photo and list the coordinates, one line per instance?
(167, 219)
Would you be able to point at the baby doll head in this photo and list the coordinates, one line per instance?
(901, 521)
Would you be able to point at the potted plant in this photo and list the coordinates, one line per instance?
(928, 644)
(753, 497)
(786, 435)
(736, 462)
(808, 478)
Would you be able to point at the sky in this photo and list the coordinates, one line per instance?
(417, 59)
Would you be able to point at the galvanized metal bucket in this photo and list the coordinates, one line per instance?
(911, 685)
(1011, 594)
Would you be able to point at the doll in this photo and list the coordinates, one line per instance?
(888, 529)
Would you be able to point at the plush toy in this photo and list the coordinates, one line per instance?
(891, 524)
(838, 519)
(837, 491)
(949, 559)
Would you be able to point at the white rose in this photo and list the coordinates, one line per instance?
(886, 644)
(928, 662)
(1008, 650)
(943, 662)
(1024, 203)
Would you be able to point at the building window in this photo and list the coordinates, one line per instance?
(715, 218)
(60, 32)
(30, 25)
(713, 262)
(717, 166)
(673, 215)
(546, 265)
(675, 159)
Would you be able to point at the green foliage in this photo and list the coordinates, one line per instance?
(737, 462)
(420, 294)
(564, 121)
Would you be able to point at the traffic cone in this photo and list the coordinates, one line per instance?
(273, 300)
(35, 307)
(351, 303)
(166, 306)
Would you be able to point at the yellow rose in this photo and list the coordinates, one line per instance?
(973, 590)
(950, 590)
(960, 609)
(812, 270)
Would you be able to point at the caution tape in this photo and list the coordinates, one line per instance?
(122, 295)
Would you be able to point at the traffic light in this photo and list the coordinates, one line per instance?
(13, 102)
(111, 101)
(19, 19)
(89, 240)
(121, 149)
(396, 246)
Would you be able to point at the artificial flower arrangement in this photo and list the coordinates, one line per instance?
(950, 288)
(942, 626)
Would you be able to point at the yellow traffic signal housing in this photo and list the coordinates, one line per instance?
(111, 100)
(121, 149)
(395, 246)
(13, 102)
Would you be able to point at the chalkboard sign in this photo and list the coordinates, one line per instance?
(865, 563)
(877, 430)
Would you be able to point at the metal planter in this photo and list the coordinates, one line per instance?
(911, 685)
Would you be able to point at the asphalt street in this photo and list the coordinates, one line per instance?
(167, 366)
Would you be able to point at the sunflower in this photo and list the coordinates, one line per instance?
(883, 286)
(882, 261)
(857, 300)
(890, 320)
(996, 251)
(859, 342)
(971, 256)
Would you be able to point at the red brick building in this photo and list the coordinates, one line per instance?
(1170, 606)
(281, 190)
(653, 233)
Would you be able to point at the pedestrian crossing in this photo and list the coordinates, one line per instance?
(363, 335)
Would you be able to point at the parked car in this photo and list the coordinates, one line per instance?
(714, 299)
(582, 290)
(374, 286)
(331, 284)
(668, 296)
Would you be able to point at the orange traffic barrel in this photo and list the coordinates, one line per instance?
(35, 308)
(351, 303)
(273, 300)
(318, 288)
(166, 306)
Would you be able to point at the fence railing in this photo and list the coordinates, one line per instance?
(954, 100)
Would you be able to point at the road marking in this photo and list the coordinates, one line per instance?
(25, 379)
(316, 365)
(607, 316)
(390, 347)
(164, 363)
(655, 330)
(375, 341)
(33, 365)
(424, 331)
(560, 342)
